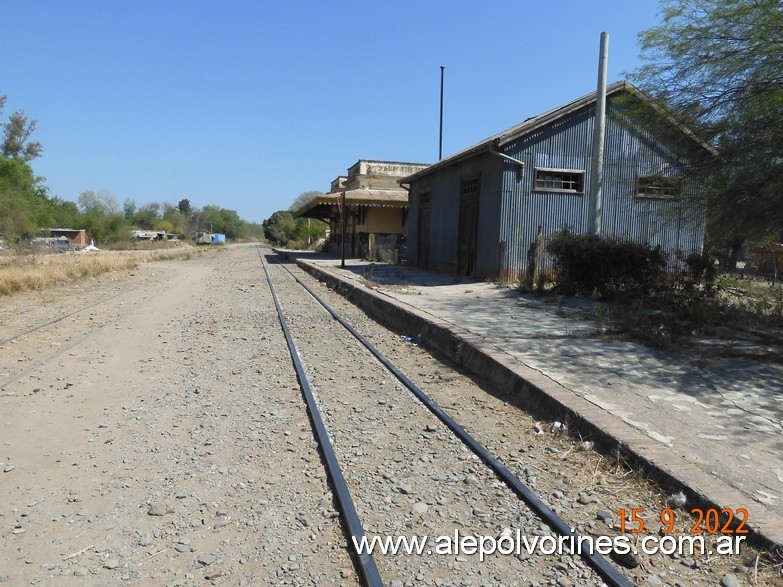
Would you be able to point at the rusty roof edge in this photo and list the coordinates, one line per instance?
(307, 206)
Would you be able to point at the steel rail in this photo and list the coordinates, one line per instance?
(603, 567)
(366, 563)
(68, 315)
(73, 344)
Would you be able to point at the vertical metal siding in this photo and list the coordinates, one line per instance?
(675, 225)
(563, 145)
(510, 211)
(445, 186)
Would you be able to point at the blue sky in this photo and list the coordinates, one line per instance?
(247, 104)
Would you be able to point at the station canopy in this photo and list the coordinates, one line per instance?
(327, 206)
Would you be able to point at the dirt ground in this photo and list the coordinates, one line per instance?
(158, 436)
(146, 440)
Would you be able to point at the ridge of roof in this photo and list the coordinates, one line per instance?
(518, 130)
(535, 122)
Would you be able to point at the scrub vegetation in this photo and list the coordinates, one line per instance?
(20, 273)
(714, 64)
(662, 301)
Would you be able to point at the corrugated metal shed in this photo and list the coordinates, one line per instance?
(511, 206)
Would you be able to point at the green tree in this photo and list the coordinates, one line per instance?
(254, 230)
(24, 205)
(233, 225)
(16, 142)
(718, 64)
(164, 225)
(146, 216)
(175, 218)
(303, 198)
(100, 216)
(184, 206)
(283, 228)
(217, 219)
(280, 227)
(129, 208)
(65, 214)
(210, 218)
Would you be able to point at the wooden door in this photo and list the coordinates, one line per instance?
(467, 233)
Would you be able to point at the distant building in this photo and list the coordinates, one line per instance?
(210, 238)
(478, 211)
(154, 235)
(77, 237)
(376, 208)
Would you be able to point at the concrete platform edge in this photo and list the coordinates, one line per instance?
(546, 398)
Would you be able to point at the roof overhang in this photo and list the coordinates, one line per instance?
(327, 206)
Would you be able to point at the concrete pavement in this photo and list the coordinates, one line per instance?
(710, 423)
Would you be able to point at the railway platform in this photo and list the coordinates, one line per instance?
(707, 420)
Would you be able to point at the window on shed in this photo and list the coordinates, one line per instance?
(470, 187)
(658, 187)
(571, 181)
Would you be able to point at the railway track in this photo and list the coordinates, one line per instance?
(399, 465)
(182, 395)
(43, 342)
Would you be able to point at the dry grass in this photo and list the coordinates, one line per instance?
(20, 273)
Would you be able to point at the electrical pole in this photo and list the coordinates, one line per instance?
(440, 134)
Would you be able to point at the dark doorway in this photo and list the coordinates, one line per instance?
(467, 234)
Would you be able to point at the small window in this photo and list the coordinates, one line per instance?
(658, 187)
(570, 181)
(470, 187)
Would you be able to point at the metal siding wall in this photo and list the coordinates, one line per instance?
(674, 225)
(445, 188)
(512, 210)
(564, 145)
(445, 219)
(567, 145)
(487, 254)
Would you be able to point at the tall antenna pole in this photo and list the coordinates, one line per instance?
(599, 124)
(440, 136)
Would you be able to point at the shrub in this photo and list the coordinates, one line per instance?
(588, 264)
(388, 256)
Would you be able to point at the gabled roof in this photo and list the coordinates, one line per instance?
(532, 124)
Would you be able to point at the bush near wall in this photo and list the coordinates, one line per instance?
(588, 264)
